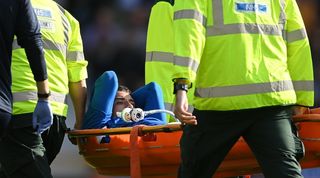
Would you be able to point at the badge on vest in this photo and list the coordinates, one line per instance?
(46, 24)
(251, 7)
(43, 12)
(45, 18)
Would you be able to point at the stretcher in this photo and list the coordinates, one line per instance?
(153, 151)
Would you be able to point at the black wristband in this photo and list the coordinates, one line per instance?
(179, 86)
(44, 95)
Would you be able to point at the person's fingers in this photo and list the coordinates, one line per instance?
(189, 120)
(39, 130)
(186, 118)
(181, 111)
(185, 112)
(43, 127)
(46, 125)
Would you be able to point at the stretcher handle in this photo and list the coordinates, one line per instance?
(306, 118)
(124, 130)
(309, 115)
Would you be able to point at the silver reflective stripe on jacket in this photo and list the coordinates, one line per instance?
(247, 89)
(32, 95)
(47, 44)
(186, 62)
(159, 56)
(169, 58)
(190, 14)
(75, 56)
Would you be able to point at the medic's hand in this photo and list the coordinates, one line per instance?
(300, 110)
(42, 117)
(181, 109)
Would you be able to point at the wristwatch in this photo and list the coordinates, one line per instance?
(179, 86)
(44, 95)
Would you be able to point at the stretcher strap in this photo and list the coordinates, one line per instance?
(135, 164)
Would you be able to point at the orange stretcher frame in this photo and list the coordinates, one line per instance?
(153, 151)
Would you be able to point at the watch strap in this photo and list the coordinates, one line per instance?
(44, 95)
(179, 86)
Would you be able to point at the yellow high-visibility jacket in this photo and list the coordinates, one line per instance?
(243, 54)
(159, 51)
(64, 57)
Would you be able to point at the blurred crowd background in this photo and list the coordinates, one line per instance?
(114, 36)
